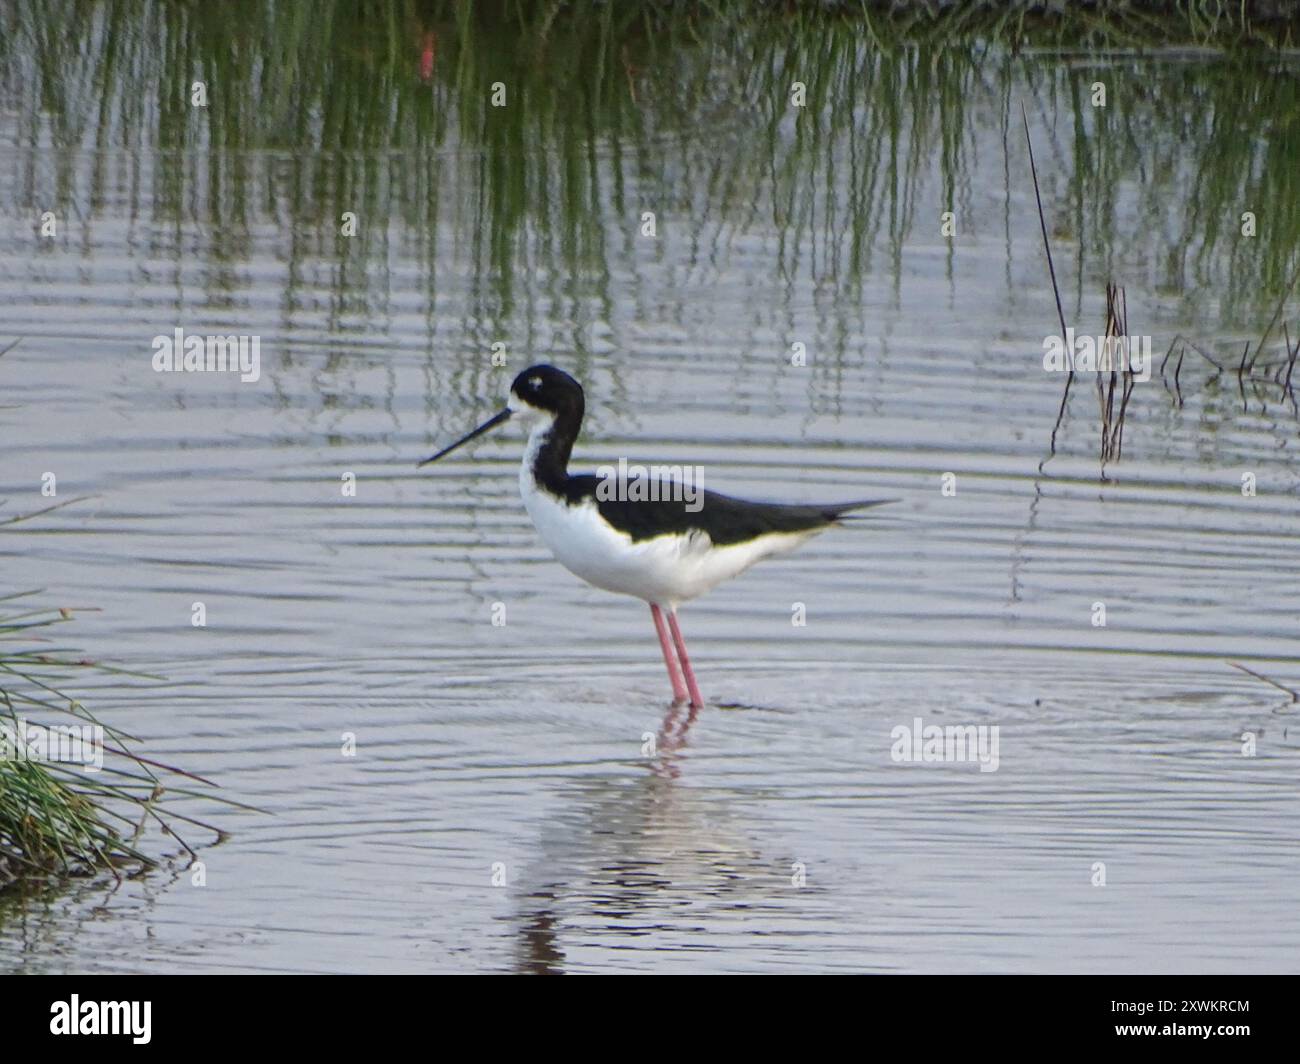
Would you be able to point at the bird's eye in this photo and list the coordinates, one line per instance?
(534, 383)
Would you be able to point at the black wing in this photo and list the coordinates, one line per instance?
(723, 519)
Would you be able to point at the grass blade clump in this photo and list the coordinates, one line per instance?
(57, 818)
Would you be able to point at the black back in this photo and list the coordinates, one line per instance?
(723, 519)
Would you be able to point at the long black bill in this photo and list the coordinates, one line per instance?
(491, 423)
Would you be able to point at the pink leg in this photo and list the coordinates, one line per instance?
(696, 701)
(674, 673)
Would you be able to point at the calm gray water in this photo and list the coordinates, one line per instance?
(500, 813)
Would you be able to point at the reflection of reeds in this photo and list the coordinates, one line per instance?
(1295, 695)
(1098, 24)
(1263, 379)
(1114, 376)
(384, 110)
(1261, 376)
(1116, 342)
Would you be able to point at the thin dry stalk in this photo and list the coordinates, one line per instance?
(1051, 269)
(1116, 349)
(1295, 695)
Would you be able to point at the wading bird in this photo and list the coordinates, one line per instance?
(654, 544)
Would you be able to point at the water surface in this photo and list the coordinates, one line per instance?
(501, 813)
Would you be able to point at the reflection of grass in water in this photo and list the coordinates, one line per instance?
(612, 109)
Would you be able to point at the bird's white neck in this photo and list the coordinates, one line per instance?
(539, 440)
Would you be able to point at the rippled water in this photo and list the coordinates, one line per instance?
(501, 812)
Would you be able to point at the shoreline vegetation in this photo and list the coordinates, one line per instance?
(1094, 23)
(74, 816)
(75, 796)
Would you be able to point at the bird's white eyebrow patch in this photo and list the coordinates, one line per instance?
(534, 383)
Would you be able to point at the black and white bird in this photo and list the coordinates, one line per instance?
(662, 545)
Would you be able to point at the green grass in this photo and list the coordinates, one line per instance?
(56, 818)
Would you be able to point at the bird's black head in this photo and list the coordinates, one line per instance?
(541, 395)
(547, 391)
